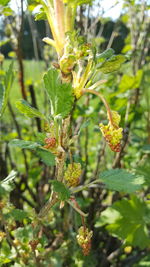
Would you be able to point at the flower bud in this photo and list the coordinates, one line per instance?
(67, 63)
(50, 142)
(72, 174)
(112, 136)
(112, 133)
(84, 239)
(115, 117)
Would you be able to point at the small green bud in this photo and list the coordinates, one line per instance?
(67, 63)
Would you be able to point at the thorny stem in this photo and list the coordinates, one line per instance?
(60, 163)
(50, 203)
(103, 100)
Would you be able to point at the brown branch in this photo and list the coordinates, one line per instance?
(34, 104)
(20, 56)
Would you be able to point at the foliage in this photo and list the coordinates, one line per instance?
(5, 87)
(128, 220)
(121, 180)
(60, 95)
(63, 192)
(69, 188)
(27, 110)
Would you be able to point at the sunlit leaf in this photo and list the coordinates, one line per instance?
(60, 95)
(105, 55)
(10, 177)
(129, 82)
(77, 2)
(112, 64)
(4, 2)
(41, 15)
(121, 180)
(24, 144)
(5, 88)
(127, 220)
(29, 111)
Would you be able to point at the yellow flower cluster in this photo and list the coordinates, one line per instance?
(115, 117)
(72, 174)
(84, 239)
(112, 133)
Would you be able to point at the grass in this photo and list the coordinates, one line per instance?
(33, 73)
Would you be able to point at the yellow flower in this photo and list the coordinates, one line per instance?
(112, 136)
(72, 174)
(84, 239)
(115, 117)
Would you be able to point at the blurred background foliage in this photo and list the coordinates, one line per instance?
(121, 222)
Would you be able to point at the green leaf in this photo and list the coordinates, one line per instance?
(17, 214)
(24, 144)
(61, 189)
(84, 125)
(24, 234)
(10, 177)
(5, 88)
(27, 110)
(41, 15)
(40, 138)
(33, 2)
(130, 222)
(110, 215)
(5, 185)
(77, 2)
(2, 89)
(60, 95)
(4, 260)
(144, 171)
(146, 148)
(121, 180)
(105, 55)
(3, 42)
(144, 262)
(7, 11)
(112, 64)
(4, 2)
(46, 156)
(129, 82)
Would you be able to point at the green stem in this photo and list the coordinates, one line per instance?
(59, 17)
(82, 187)
(50, 203)
(77, 209)
(104, 102)
(70, 13)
